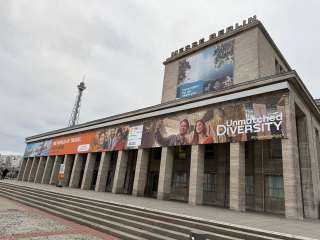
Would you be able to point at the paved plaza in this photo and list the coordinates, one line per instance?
(274, 223)
(19, 222)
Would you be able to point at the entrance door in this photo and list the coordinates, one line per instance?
(264, 176)
(131, 168)
(180, 175)
(152, 184)
(95, 171)
(151, 189)
(216, 175)
(111, 171)
(83, 165)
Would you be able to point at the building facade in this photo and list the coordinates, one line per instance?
(236, 128)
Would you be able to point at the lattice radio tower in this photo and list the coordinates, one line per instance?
(74, 118)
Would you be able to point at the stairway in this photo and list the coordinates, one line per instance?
(128, 222)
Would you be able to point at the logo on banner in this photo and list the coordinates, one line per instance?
(83, 148)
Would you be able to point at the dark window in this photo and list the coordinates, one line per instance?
(209, 182)
(275, 187)
(180, 180)
(249, 185)
(275, 149)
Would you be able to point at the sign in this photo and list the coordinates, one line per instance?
(38, 149)
(134, 137)
(61, 172)
(71, 144)
(254, 118)
(242, 120)
(190, 89)
(207, 71)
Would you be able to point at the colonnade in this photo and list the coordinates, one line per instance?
(45, 170)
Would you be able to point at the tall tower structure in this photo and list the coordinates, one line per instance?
(74, 118)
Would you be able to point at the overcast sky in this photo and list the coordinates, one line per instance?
(46, 46)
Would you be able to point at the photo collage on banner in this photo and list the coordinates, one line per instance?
(252, 119)
(208, 71)
(122, 137)
(38, 149)
(255, 118)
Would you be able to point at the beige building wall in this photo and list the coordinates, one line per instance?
(313, 174)
(267, 57)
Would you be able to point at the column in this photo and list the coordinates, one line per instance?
(48, 170)
(314, 167)
(55, 170)
(237, 176)
(75, 175)
(165, 174)
(103, 172)
(22, 168)
(40, 170)
(141, 172)
(196, 175)
(27, 169)
(291, 166)
(88, 171)
(68, 162)
(33, 170)
(305, 168)
(120, 172)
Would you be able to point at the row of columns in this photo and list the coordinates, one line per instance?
(45, 170)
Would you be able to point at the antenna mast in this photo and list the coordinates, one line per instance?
(74, 118)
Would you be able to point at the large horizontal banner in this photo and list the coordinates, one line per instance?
(38, 149)
(255, 118)
(207, 71)
(106, 139)
(72, 144)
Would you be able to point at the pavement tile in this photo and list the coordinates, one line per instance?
(21, 222)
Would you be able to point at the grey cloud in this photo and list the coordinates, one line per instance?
(46, 47)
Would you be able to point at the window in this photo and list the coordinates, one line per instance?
(249, 185)
(275, 149)
(271, 108)
(274, 187)
(249, 110)
(209, 182)
(279, 68)
(180, 180)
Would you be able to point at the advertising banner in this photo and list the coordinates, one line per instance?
(252, 119)
(38, 149)
(134, 137)
(209, 70)
(72, 144)
(111, 139)
(255, 118)
(61, 172)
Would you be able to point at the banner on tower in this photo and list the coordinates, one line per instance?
(207, 71)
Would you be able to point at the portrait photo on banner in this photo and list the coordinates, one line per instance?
(250, 119)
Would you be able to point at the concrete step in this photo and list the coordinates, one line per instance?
(113, 228)
(113, 232)
(99, 213)
(112, 214)
(110, 223)
(168, 218)
(213, 232)
(147, 217)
